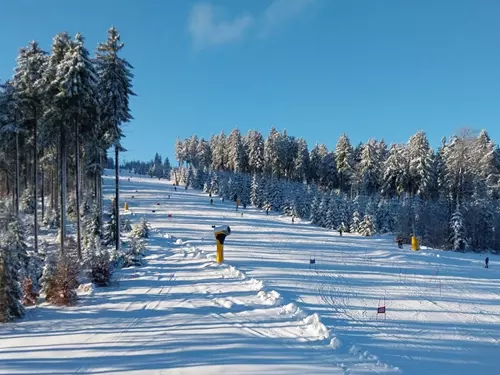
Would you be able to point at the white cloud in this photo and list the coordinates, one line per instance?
(281, 12)
(207, 26)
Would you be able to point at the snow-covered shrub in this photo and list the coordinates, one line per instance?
(100, 268)
(141, 230)
(135, 253)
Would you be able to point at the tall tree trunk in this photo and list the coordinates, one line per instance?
(77, 180)
(35, 166)
(62, 189)
(17, 176)
(117, 200)
(42, 177)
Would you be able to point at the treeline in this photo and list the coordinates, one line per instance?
(448, 197)
(59, 115)
(154, 168)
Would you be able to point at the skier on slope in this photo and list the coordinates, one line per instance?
(486, 261)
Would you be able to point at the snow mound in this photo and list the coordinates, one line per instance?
(335, 343)
(256, 284)
(316, 326)
(223, 302)
(292, 309)
(269, 298)
(237, 274)
(85, 289)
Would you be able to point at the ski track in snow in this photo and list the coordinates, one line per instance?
(266, 310)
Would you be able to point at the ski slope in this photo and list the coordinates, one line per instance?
(266, 310)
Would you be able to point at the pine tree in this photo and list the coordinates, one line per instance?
(29, 94)
(458, 236)
(370, 168)
(301, 161)
(366, 227)
(100, 268)
(344, 158)
(255, 146)
(141, 230)
(115, 89)
(421, 166)
(395, 174)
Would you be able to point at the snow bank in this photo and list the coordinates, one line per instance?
(223, 302)
(271, 298)
(85, 289)
(292, 309)
(256, 284)
(316, 326)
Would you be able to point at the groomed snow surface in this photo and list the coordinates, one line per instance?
(266, 310)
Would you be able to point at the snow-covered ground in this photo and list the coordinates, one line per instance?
(267, 310)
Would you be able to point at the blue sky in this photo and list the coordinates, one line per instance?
(317, 68)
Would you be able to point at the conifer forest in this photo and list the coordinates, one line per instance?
(60, 113)
(448, 197)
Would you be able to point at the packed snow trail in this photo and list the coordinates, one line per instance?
(265, 311)
(443, 308)
(179, 314)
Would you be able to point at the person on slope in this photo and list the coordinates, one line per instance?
(399, 240)
(486, 261)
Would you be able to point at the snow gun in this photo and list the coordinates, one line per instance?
(220, 233)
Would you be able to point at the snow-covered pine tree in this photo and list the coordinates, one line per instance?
(115, 89)
(27, 202)
(486, 165)
(29, 95)
(204, 155)
(370, 168)
(315, 215)
(12, 259)
(480, 223)
(366, 227)
(301, 163)
(77, 80)
(395, 172)
(255, 147)
(344, 155)
(332, 218)
(100, 267)
(458, 237)
(315, 160)
(255, 197)
(235, 151)
(219, 152)
(141, 230)
(10, 307)
(421, 166)
(135, 253)
(110, 230)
